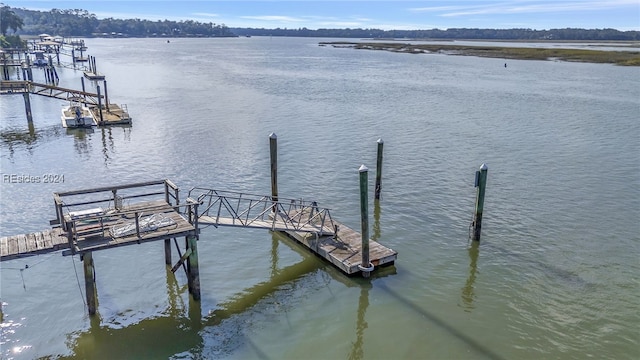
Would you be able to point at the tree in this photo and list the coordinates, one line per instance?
(9, 20)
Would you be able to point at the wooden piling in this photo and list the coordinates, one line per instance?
(106, 95)
(83, 89)
(100, 106)
(273, 152)
(192, 266)
(366, 267)
(481, 183)
(27, 106)
(379, 170)
(167, 251)
(90, 282)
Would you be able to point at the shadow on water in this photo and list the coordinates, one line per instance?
(178, 330)
(545, 268)
(476, 346)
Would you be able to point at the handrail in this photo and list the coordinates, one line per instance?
(249, 210)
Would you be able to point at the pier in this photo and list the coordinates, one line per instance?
(102, 218)
(20, 62)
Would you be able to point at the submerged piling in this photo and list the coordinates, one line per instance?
(365, 266)
(481, 183)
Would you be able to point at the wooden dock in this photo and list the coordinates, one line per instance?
(106, 217)
(93, 76)
(41, 242)
(344, 251)
(112, 115)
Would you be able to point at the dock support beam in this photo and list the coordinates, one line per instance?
(273, 152)
(27, 106)
(365, 266)
(481, 183)
(90, 282)
(379, 170)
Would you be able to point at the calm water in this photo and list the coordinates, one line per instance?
(555, 277)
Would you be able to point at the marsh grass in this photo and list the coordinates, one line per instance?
(627, 58)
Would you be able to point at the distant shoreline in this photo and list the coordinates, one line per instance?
(624, 58)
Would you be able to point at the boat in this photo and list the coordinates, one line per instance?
(77, 115)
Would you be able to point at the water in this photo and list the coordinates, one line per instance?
(555, 276)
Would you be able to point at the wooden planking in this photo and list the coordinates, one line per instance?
(16, 246)
(345, 252)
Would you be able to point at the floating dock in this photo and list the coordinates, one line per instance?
(344, 250)
(111, 115)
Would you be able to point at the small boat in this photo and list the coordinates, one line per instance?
(77, 115)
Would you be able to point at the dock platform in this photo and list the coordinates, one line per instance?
(112, 115)
(344, 251)
(93, 76)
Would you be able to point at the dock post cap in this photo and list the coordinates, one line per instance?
(484, 167)
(380, 141)
(273, 136)
(366, 269)
(363, 168)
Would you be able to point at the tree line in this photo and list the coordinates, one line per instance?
(453, 33)
(81, 23)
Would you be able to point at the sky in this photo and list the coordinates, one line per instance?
(387, 15)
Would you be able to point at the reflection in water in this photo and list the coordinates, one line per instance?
(81, 139)
(12, 138)
(274, 256)
(108, 142)
(356, 351)
(468, 294)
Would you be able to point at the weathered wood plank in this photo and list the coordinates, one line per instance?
(344, 252)
(22, 243)
(4, 246)
(31, 242)
(13, 245)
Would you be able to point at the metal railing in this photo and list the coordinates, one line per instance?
(228, 208)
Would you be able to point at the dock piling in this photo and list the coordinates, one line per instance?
(192, 266)
(27, 106)
(90, 282)
(379, 170)
(100, 105)
(273, 152)
(167, 251)
(481, 183)
(106, 95)
(366, 267)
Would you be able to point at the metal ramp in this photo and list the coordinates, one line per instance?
(228, 208)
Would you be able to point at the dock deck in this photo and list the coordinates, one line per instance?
(345, 250)
(101, 231)
(41, 242)
(113, 115)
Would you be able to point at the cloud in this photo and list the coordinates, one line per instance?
(205, 14)
(526, 7)
(280, 18)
